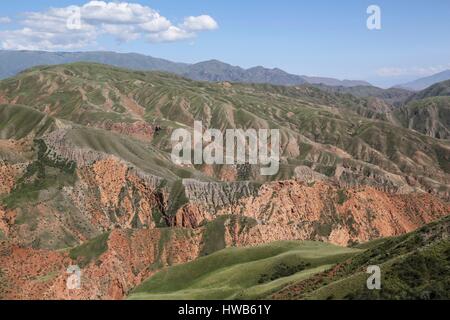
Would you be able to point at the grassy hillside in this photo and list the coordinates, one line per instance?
(138, 153)
(428, 111)
(430, 116)
(394, 96)
(17, 122)
(319, 129)
(242, 273)
(413, 266)
(440, 89)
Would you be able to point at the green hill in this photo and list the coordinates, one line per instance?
(430, 116)
(322, 130)
(413, 266)
(242, 273)
(17, 122)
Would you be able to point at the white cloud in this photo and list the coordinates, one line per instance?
(79, 26)
(28, 39)
(170, 35)
(202, 22)
(5, 20)
(156, 25)
(411, 71)
(117, 13)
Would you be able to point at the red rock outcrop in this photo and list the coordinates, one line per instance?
(112, 193)
(8, 176)
(131, 257)
(109, 195)
(140, 129)
(291, 210)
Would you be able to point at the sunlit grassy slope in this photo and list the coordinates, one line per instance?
(242, 273)
(413, 266)
(16, 122)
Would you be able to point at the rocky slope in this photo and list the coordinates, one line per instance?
(427, 111)
(319, 211)
(297, 212)
(139, 245)
(429, 116)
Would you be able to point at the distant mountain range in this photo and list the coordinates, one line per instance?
(440, 89)
(215, 71)
(394, 96)
(426, 82)
(13, 62)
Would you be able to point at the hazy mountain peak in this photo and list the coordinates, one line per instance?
(212, 62)
(423, 83)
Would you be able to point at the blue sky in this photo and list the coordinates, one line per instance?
(321, 37)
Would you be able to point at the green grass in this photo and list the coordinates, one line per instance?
(413, 266)
(158, 218)
(416, 275)
(177, 197)
(214, 236)
(42, 174)
(342, 196)
(17, 122)
(140, 154)
(49, 276)
(242, 273)
(90, 251)
(370, 244)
